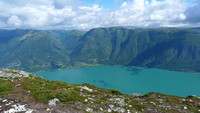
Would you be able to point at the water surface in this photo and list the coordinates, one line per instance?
(130, 79)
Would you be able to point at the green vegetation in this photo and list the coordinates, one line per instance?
(136, 104)
(43, 90)
(115, 92)
(5, 86)
(167, 48)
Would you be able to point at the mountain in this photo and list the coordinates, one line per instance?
(36, 49)
(24, 92)
(166, 48)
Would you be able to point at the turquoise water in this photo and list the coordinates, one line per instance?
(130, 79)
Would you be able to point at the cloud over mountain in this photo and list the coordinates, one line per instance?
(78, 14)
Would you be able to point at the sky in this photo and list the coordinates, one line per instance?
(87, 14)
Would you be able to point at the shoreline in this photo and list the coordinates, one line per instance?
(76, 67)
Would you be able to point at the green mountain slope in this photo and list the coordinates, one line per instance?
(180, 53)
(36, 50)
(174, 49)
(166, 48)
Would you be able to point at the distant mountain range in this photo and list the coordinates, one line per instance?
(175, 49)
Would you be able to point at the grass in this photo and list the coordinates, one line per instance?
(43, 90)
(135, 104)
(5, 87)
(62, 95)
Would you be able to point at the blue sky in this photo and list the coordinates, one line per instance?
(86, 14)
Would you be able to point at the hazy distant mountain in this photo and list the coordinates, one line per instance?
(35, 49)
(167, 48)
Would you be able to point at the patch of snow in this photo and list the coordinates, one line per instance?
(53, 102)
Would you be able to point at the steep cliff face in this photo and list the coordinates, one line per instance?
(166, 48)
(24, 92)
(180, 53)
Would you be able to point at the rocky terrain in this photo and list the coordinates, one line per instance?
(26, 93)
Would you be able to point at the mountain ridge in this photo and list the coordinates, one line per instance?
(176, 49)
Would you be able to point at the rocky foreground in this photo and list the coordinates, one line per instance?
(24, 92)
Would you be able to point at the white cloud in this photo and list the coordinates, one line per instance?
(67, 14)
(144, 13)
(26, 2)
(14, 21)
(93, 8)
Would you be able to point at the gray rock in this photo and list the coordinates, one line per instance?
(136, 95)
(12, 73)
(53, 102)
